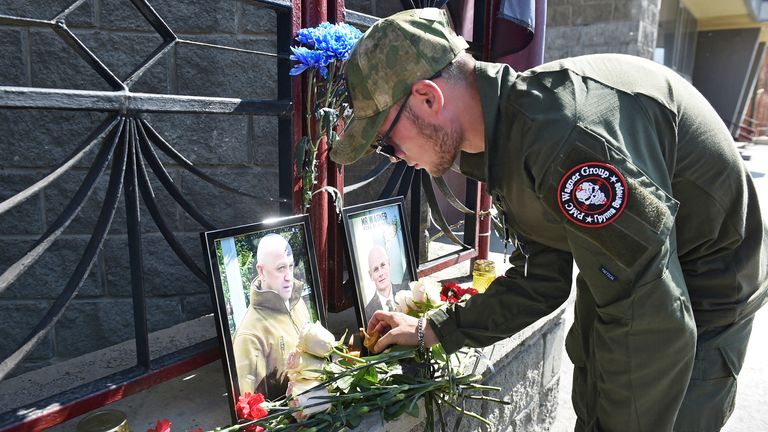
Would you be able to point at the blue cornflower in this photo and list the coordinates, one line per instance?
(312, 36)
(337, 40)
(308, 59)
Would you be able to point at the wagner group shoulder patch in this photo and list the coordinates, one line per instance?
(592, 194)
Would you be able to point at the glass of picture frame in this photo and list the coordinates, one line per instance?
(381, 260)
(265, 288)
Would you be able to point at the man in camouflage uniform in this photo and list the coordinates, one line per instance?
(610, 161)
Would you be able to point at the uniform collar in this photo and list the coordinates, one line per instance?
(489, 77)
(268, 299)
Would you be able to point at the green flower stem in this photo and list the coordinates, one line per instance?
(488, 398)
(392, 355)
(483, 387)
(347, 356)
(309, 102)
(309, 167)
(262, 421)
(463, 411)
(331, 70)
(400, 355)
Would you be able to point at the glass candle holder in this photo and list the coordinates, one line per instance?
(483, 273)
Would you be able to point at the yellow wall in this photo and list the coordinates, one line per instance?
(723, 15)
(704, 9)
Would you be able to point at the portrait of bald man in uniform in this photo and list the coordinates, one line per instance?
(271, 325)
(266, 290)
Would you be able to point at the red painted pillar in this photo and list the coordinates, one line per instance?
(484, 223)
(337, 300)
(298, 110)
(315, 12)
(327, 232)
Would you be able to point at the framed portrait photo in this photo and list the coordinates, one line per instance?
(380, 254)
(265, 289)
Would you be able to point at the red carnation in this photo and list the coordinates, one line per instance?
(249, 408)
(451, 292)
(163, 425)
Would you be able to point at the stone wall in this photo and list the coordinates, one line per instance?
(239, 150)
(578, 27)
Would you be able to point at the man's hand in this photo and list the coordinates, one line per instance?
(398, 329)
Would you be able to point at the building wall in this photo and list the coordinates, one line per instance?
(578, 27)
(726, 88)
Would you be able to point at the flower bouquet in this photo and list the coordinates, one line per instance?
(427, 294)
(322, 59)
(332, 388)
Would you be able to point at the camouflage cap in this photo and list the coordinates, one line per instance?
(394, 53)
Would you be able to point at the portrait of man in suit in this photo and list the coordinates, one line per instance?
(379, 271)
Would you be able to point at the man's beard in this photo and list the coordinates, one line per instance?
(446, 142)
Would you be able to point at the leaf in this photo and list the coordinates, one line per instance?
(402, 378)
(367, 377)
(438, 353)
(394, 411)
(354, 420)
(413, 409)
(301, 152)
(345, 383)
(336, 369)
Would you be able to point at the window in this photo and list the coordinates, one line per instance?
(676, 38)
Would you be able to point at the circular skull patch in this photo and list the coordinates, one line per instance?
(592, 194)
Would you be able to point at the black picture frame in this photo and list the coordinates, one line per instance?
(364, 227)
(229, 277)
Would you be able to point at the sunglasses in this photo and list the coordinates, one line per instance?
(382, 145)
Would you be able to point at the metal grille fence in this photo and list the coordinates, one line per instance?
(130, 150)
(134, 153)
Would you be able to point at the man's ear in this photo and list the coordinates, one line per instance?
(428, 95)
(260, 269)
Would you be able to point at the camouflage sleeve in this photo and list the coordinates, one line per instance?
(511, 303)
